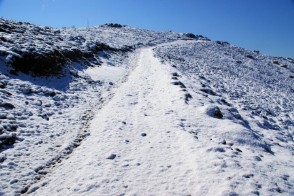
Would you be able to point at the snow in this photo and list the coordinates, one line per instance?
(154, 164)
(49, 117)
(106, 73)
(221, 158)
(149, 113)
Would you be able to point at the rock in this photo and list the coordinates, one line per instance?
(249, 56)
(2, 85)
(49, 92)
(188, 96)
(175, 74)
(111, 157)
(7, 106)
(208, 91)
(2, 159)
(7, 127)
(143, 134)
(216, 149)
(268, 149)
(223, 101)
(3, 115)
(275, 62)
(48, 105)
(256, 51)
(6, 140)
(26, 90)
(5, 92)
(179, 83)
(10, 117)
(24, 190)
(13, 181)
(217, 113)
(2, 130)
(214, 112)
(38, 103)
(248, 175)
(59, 98)
(257, 158)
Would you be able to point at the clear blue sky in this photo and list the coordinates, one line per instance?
(265, 25)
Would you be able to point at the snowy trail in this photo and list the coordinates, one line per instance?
(161, 161)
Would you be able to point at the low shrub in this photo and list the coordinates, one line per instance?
(223, 43)
(114, 25)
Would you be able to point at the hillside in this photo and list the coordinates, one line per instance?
(114, 110)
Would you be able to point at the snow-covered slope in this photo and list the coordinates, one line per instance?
(114, 110)
(68, 75)
(249, 89)
(44, 50)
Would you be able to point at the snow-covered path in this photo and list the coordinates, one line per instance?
(139, 127)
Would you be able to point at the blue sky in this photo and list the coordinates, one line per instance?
(265, 25)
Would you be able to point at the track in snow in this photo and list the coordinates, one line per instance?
(158, 162)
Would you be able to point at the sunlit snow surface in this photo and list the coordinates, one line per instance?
(105, 73)
(172, 116)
